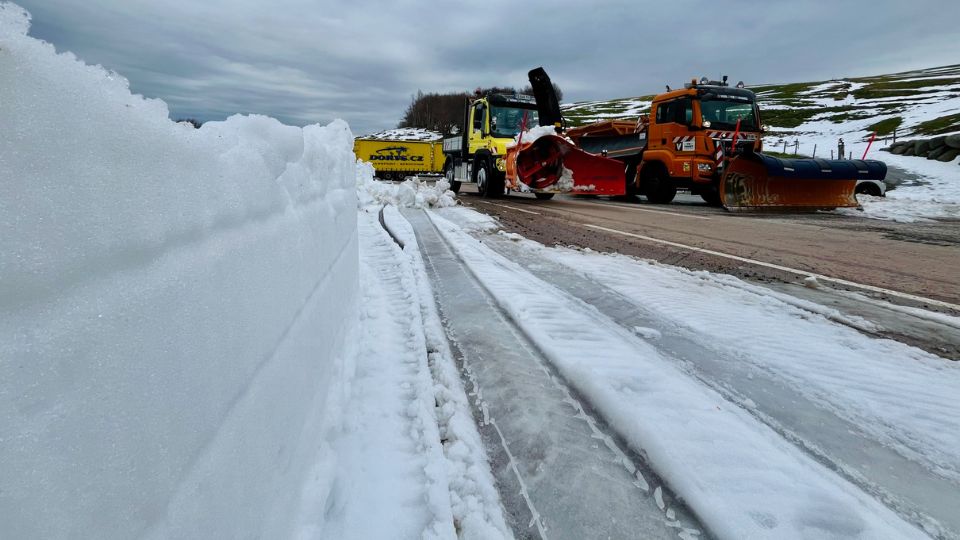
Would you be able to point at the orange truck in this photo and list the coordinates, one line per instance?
(705, 138)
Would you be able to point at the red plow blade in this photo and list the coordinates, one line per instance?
(552, 164)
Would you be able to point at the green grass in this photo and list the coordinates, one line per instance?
(937, 126)
(886, 126)
(887, 88)
(785, 91)
(787, 118)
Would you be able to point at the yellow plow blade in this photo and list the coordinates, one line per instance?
(760, 182)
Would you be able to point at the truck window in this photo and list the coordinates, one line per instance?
(478, 114)
(506, 121)
(665, 112)
(684, 111)
(679, 111)
(723, 113)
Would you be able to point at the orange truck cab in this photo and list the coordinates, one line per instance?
(689, 132)
(681, 145)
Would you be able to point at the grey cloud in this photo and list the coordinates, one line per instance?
(306, 61)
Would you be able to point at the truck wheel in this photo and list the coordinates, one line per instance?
(448, 173)
(658, 187)
(868, 188)
(711, 195)
(544, 196)
(489, 182)
(481, 177)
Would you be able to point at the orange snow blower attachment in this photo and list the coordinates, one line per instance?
(553, 164)
(755, 181)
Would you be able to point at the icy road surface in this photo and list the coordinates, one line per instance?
(710, 434)
(561, 473)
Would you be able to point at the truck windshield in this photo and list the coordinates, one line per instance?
(506, 121)
(724, 114)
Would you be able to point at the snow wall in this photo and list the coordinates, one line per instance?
(176, 306)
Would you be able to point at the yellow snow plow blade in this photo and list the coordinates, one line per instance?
(760, 182)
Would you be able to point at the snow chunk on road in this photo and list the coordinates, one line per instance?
(411, 193)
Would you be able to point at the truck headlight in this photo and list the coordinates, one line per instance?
(704, 167)
(500, 164)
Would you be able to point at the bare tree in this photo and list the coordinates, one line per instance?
(443, 112)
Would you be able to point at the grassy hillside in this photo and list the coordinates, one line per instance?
(915, 103)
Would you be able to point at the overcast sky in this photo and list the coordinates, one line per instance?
(306, 61)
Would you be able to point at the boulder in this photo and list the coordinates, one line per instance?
(953, 141)
(936, 152)
(949, 155)
(899, 147)
(938, 142)
(921, 147)
(909, 151)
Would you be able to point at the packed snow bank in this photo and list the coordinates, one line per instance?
(175, 307)
(413, 464)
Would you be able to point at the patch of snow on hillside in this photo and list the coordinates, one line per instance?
(405, 134)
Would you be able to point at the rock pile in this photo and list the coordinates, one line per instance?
(942, 148)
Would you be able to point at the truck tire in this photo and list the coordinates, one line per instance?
(657, 185)
(489, 182)
(868, 188)
(711, 195)
(448, 173)
(544, 196)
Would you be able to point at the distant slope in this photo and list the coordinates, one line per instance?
(915, 103)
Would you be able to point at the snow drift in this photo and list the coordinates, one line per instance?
(175, 307)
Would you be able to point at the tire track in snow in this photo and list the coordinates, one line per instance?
(560, 454)
(910, 489)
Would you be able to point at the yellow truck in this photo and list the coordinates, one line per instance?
(395, 160)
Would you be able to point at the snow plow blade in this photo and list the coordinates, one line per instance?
(554, 164)
(760, 182)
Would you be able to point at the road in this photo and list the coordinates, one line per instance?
(594, 403)
(550, 451)
(877, 266)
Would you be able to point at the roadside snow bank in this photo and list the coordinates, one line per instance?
(934, 193)
(175, 306)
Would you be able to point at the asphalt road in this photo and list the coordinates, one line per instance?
(903, 264)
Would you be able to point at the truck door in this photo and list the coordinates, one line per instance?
(672, 134)
(478, 125)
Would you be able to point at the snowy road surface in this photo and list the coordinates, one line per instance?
(555, 455)
(745, 411)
